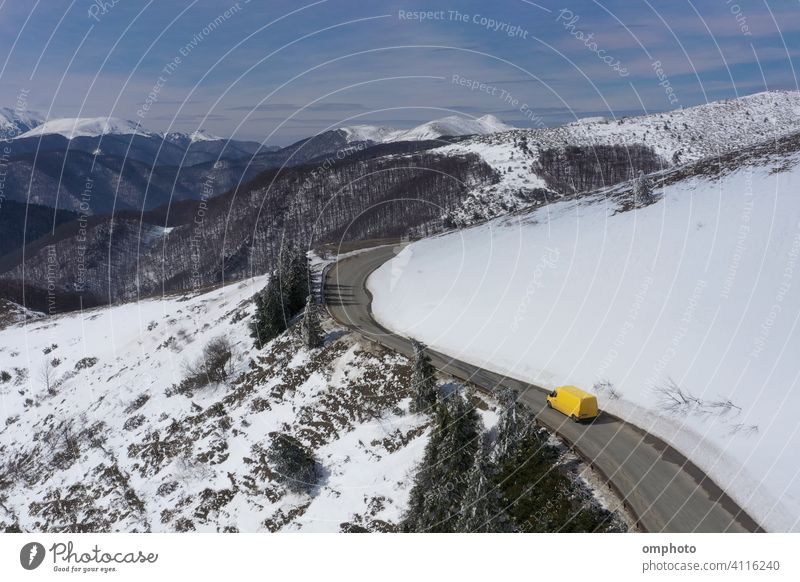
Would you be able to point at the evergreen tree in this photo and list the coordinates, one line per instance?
(461, 440)
(423, 378)
(482, 509)
(513, 426)
(428, 493)
(294, 278)
(283, 298)
(642, 189)
(440, 484)
(292, 463)
(310, 328)
(269, 320)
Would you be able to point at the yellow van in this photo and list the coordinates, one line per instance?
(573, 402)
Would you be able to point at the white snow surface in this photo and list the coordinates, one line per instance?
(13, 122)
(203, 135)
(110, 370)
(700, 288)
(72, 127)
(195, 136)
(452, 125)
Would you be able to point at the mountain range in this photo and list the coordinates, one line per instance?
(349, 183)
(127, 167)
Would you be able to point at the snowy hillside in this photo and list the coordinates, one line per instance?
(680, 315)
(12, 313)
(13, 123)
(94, 438)
(86, 127)
(452, 125)
(679, 136)
(184, 139)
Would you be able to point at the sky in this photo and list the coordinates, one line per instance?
(278, 71)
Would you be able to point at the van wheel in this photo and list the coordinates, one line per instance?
(549, 405)
(574, 418)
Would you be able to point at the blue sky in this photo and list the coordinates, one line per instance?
(278, 71)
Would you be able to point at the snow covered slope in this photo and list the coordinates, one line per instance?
(679, 136)
(184, 139)
(13, 123)
(91, 440)
(12, 313)
(71, 127)
(451, 125)
(682, 314)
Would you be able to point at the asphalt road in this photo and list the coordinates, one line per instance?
(663, 490)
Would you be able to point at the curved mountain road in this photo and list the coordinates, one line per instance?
(664, 491)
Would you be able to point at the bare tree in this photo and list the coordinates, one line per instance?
(674, 400)
(46, 376)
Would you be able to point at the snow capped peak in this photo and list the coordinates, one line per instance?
(71, 127)
(449, 126)
(374, 133)
(455, 125)
(490, 121)
(185, 139)
(14, 122)
(203, 135)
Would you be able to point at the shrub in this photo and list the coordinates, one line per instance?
(85, 363)
(292, 463)
(283, 297)
(218, 359)
(214, 366)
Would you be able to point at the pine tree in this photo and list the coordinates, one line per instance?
(292, 464)
(269, 320)
(440, 484)
(482, 508)
(428, 492)
(283, 298)
(461, 440)
(642, 189)
(294, 278)
(310, 328)
(423, 379)
(513, 426)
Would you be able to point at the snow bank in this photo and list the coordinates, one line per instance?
(698, 289)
